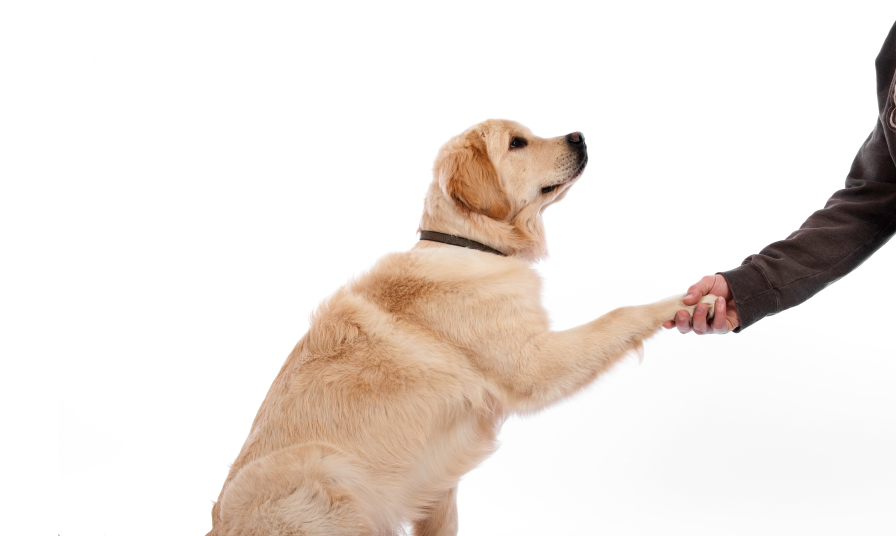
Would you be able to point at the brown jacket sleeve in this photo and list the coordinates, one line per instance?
(854, 223)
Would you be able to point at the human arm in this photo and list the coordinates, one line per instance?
(833, 241)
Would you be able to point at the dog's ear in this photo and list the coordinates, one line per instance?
(468, 177)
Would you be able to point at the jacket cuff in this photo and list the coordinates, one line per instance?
(753, 294)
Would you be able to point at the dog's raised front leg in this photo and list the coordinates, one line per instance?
(555, 364)
(442, 517)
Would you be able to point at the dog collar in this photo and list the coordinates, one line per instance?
(457, 241)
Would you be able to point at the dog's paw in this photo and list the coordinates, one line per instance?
(679, 305)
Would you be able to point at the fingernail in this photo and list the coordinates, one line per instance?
(689, 296)
(681, 316)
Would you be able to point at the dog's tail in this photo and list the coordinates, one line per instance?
(311, 489)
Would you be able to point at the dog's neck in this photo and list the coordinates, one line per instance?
(522, 237)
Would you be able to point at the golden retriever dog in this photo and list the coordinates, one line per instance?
(406, 373)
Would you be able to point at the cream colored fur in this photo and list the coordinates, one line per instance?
(407, 373)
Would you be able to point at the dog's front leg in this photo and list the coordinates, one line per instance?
(441, 519)
(555, 364)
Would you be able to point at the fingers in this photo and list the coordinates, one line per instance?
(718, 324)
(699, 289)
(700, 325)
(719, 321)
(683, 321)
(724, 317)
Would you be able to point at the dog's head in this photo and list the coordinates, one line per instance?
(493, 181)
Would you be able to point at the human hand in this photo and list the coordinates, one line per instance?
(725, 316)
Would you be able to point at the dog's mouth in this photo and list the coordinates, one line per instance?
(580, 169)
(575, 174)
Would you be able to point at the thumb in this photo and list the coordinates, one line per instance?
(698, 290)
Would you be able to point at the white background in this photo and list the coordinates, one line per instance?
(183, 182)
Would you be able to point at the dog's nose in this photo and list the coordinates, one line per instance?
(575, 138)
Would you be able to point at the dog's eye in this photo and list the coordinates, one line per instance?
(549, 189)
(517, 143)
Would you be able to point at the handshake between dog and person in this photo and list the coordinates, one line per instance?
(406, 373)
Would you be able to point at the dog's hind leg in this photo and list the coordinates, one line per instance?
(302, 490)
(441, 517)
